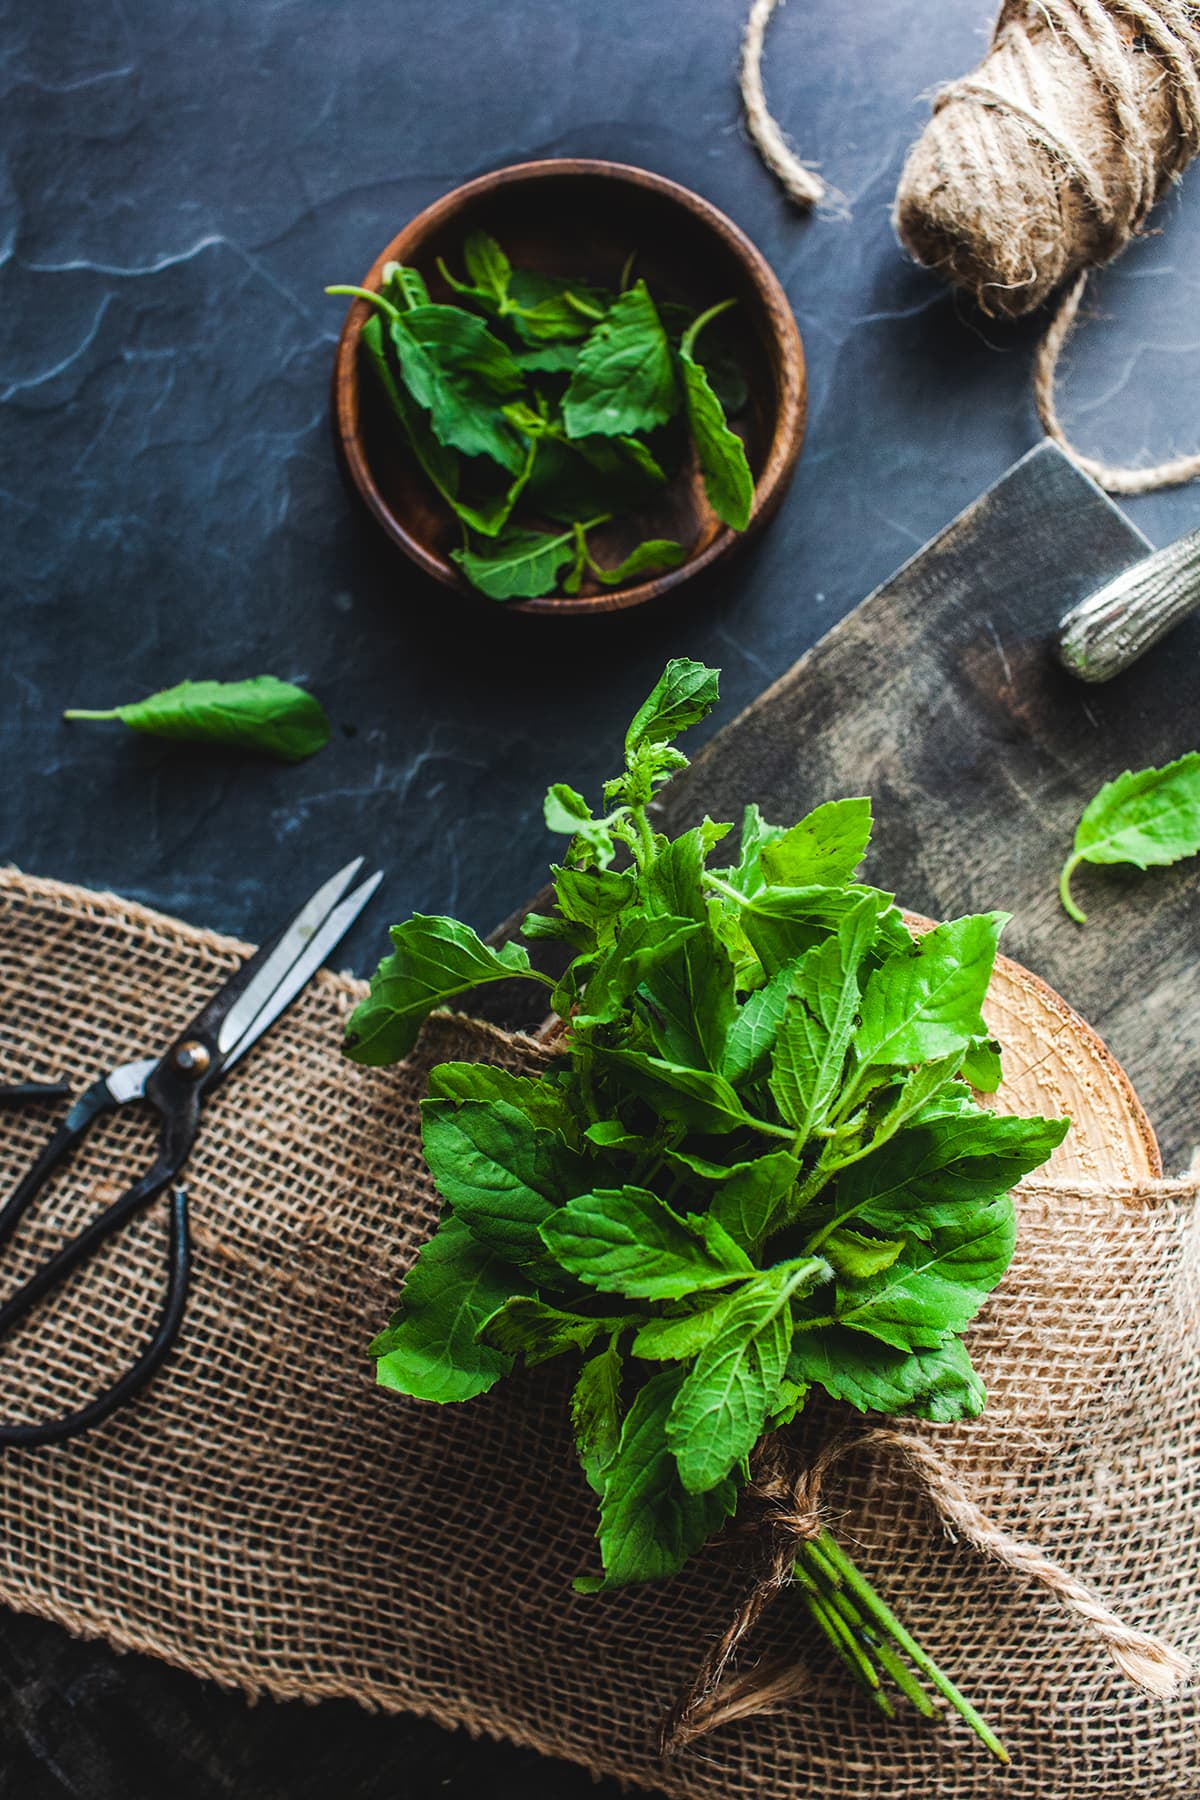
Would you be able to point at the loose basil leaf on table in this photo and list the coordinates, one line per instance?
(263, 714)
(757, 1167)
(1149, 819)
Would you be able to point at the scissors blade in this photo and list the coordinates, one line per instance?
(293, 941)
(320, 943)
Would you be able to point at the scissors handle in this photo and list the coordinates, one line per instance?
(56, 1431)
(178, 1130)
(91, 1104)
(56, 1268)
(16, 1092)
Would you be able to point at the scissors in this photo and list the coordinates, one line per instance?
(174, 1084)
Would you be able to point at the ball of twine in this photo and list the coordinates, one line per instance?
(1038, 166)
(1047, 158)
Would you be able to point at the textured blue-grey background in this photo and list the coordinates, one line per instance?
(177, 184)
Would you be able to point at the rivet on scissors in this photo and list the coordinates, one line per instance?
(192, 1058)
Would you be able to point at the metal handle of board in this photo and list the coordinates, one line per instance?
(1111, 628)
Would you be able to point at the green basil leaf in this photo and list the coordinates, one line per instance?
(595, 898)
(684, 693)
(262, 714)
(819, 1021)
(787, 1404)
(824, 848)
(518, 564)
(624, 381)
(430, 1349)
(981, 1067)
(925, 1002)
(652, 553)
(545, 308)
(610, 1134)
(747, 876)
(649, 1524)
(902, 1098)
(487, 515)
(525, 1324)
(439, 464)
(548, 359)
(503, 1176)
(568, 812)
(536, 926)
(751, 1037)
(784, 922)
(543, 1103)
(749, 1204)
(944, 1161)
(686, 1096)
(628, 1241)
(644, 942)
(937, 1383)
(748, 1194)
(853, 1253)
(679, 1339)
(728, 480)
(454, 368)
(690, 1003)
(458, 345)
(1149, 819)
(403, 286)
(934, 1289)
(691, 1000)
(487, 265)
(721, 1408)
(433, 960)
(596, 1414)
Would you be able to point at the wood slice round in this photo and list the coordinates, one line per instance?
(1055, 1064)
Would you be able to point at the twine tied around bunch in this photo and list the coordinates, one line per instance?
(1039, 165)
(791, 1494)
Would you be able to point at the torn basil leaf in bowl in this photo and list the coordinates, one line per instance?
(569, 386)
(755, 1175)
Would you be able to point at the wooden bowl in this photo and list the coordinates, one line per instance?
(583, 218)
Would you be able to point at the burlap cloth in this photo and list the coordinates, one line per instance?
(265, 1516)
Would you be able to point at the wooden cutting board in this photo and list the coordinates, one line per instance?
(939, 697)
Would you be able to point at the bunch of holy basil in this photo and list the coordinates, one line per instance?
(541, 408)
(756, 1169)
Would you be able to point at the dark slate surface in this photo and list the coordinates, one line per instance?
(177, 185)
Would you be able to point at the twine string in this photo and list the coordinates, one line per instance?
(798, 181)
(792, 1496)
(1114, 478)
